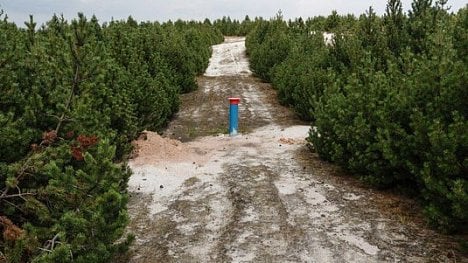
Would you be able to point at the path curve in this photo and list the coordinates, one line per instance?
(260, 196)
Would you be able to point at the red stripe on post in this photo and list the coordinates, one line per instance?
(234, 101)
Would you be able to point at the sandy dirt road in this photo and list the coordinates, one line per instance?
(198, 195)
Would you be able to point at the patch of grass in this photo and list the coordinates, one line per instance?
(192, 132)
(217, 130)
(245, 130)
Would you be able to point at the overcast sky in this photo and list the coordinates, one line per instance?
(163, 10)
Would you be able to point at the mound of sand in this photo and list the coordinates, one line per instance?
(151, 148)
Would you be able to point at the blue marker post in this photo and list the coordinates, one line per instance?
(233, 116)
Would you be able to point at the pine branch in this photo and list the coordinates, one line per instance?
(21, 172)
(76, 80)
(18, 177)
(14, 205)
(50, 244)
(5, 62)
(16, 195)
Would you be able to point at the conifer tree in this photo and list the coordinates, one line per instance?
(420, 24)
(394, 21)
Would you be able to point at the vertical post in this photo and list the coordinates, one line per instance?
(233, 116)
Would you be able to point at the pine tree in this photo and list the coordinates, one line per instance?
(394, 21)
(369, 34)
(461, 34)
(420, 24)
(332, 22)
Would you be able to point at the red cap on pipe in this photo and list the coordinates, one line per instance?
(234, 101)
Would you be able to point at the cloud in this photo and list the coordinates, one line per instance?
(162, 10)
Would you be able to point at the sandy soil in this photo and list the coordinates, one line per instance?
(198, 195)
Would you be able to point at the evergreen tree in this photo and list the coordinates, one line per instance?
(371, 38)
(332, 22)
(461, 34)
(394, 21)
(420, 24)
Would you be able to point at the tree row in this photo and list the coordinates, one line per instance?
(387, 97)
(73, 96)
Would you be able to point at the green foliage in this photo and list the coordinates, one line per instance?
(302, 77)
(460, 34)
(233, 27)
(388, 98)
(73, 96)
(332, 22)
(394, 22)
(268, 45)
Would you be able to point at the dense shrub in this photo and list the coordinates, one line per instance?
(73, 95)
(268, 45)
(388, 98)
(301, 78)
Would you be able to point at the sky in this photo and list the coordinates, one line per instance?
(18, 11)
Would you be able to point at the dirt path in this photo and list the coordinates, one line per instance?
(260, 196)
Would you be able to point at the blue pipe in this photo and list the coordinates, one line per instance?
(233, 116)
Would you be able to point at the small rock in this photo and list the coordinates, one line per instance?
(323, 215)
(161, 186)
(280, 145)
(144, 179)
(211, 184)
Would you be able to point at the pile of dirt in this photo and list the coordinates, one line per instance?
(151, 148)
